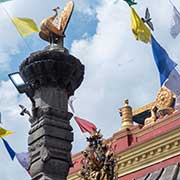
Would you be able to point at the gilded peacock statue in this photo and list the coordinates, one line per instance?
(52, 31)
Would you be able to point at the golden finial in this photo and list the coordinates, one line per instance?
(126, 102)
(126, 114)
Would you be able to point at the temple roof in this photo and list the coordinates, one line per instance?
(171, 172)
(148, 150)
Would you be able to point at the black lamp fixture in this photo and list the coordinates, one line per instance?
(18, 82)
(21, 85)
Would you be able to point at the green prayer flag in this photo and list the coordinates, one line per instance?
(131, 2)
(3, 1)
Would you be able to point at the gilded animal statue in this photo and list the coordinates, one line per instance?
(153, 117)
(54, 32)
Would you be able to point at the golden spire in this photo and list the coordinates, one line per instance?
(126, 114)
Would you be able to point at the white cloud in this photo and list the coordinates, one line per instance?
(119, 67)
(86, 7)
(4, 62)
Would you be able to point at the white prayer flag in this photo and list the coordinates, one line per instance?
(173, 82)
(23, 159)
(177, 105)
(175, 27)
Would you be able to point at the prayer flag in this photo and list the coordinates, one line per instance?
(131, 2)
(25, 26)
(164, 63)
(23, 159)
(173, 82)
(4, 132)
(140, 30)
(175, 28)
(85, 125)
(177, 104)
(9, 149)
(3, 1)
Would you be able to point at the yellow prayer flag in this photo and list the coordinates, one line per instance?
(140, 30)
(25, 26)
(4, 132)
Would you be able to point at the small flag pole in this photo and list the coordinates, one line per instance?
(173, 5)
(0, 118)
(178, 68)
(171, 2)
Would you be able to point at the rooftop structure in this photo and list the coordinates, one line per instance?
(149, 149)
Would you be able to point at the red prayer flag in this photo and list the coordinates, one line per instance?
(85, 125)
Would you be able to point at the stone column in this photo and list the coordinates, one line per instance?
(52, 76)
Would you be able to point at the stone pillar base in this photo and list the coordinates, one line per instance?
(50, 145)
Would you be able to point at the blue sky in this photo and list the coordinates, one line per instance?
(116, 65)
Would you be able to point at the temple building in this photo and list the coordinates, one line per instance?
(147, 147)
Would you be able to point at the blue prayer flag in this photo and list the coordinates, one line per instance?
(23, 157)
(164, 63)
(9, 149)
